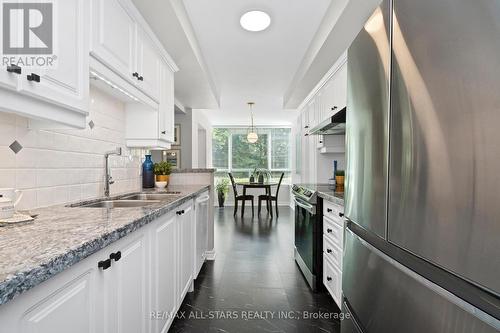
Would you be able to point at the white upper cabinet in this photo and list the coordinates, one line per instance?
(67, 84)
(149, 65)
(167, 105)
(56, 92)
(114, 34)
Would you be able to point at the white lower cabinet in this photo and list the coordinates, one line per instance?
(164, 252)
(333, 244)
(201, 232)
(133, 285)
(186, 237)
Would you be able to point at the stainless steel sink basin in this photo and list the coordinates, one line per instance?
(151, 196)
(120, 204)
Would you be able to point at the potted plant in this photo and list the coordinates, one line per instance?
(162, 172)
(222, 188)
(262, 174)
(339, 178)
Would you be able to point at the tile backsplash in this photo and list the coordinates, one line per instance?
(67, 165)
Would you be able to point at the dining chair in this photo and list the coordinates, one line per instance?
(243, 198)
(271, 198)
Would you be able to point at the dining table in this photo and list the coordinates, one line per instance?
(265, 185)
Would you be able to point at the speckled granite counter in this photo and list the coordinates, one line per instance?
(326, 192)
(61, 236)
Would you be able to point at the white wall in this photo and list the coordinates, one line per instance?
(200, 120)
(60, 166)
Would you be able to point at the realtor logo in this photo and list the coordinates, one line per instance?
(28, 33)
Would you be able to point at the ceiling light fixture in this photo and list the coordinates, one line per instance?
(252, 136)
(255, 20)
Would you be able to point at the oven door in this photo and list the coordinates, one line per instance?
(305, 239)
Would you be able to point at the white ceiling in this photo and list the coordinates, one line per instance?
(253, 66)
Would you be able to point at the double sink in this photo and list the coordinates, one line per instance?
(131, 201)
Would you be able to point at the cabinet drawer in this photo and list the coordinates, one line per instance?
(334, 232)
(332, 252)
(332, 279)
(333, 212)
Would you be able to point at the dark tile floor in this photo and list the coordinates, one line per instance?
(254, 284)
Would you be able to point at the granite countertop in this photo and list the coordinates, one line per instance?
(194, 170)
(326, 192)
(61, 236)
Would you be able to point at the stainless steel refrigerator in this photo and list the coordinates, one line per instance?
(422, 246)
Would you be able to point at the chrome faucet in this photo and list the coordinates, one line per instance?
(108, 179)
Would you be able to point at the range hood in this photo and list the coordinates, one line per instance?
(333, 125)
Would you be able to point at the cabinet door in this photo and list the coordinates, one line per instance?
(166, 108)
(66, 84)
(148, 65)
(113, 37)
(67, 310)
(163, 269)
(201, 223)
(129, 280)
(186, 251)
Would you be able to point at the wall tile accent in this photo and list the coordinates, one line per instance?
(61, 166)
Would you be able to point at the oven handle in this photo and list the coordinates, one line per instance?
(306, 206)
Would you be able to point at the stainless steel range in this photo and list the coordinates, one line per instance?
(308, 234)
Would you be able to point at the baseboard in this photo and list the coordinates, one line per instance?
(210, 255)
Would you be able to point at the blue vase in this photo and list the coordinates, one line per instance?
(148, 176)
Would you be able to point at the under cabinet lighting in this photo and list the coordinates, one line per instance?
(112, 85)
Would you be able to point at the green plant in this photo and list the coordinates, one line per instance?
(163, 168)
(264, 172)
(340, 173)
(222, 186)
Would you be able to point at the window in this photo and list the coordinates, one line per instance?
(233, 153)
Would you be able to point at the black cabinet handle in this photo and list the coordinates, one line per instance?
(104, 264)
(334, 108)
(14, 69)
(115, 256)
(307, 134)
(306, 127)
(178, 212)
(135, 74)
(182, 211)
(329, 210)
(329, 231)
(328, 278)
(140, 78)
(163, 132)
(341, 214)
(328, 251)
(33, 77)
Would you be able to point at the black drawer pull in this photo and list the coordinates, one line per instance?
(329, 231)
(14, 69)
(329, 210)
(140, 78)
(328, 278)
(334, 108)
(104, 264)
(115, 256)
(341, 214)
(328, 251)
(135, 74)
(33, 77)
(163, 132)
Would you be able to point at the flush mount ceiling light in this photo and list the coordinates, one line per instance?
(255, 20)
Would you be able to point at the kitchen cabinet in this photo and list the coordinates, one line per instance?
(164, 253)
(333, 244)
(149, 65)
(114, 37)
(186, 248)
(123, 287)
(201, 232)
(58, 94)
(167, 104)
(134, 285)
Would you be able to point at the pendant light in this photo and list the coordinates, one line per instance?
(252, 136)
